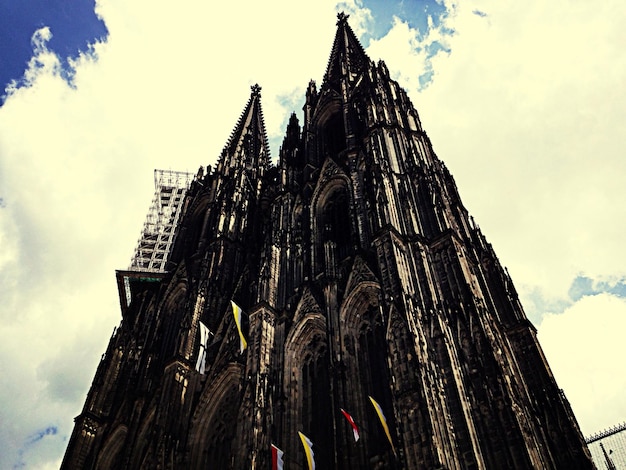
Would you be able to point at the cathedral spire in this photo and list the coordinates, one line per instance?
(364, 283)
(347, 58)
(248, 145)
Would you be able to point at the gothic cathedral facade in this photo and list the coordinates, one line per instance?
(359, 273)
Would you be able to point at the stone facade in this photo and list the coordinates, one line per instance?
(360, 274)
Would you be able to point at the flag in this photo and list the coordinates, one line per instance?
(277, 458)
(383, 421)
(355, 430)
(204, 341)
(308, 450)
(237, 312)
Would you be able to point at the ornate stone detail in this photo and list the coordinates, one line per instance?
(371, 283)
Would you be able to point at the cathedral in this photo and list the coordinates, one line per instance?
(335, 309)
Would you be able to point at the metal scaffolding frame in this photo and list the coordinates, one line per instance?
(157, 236)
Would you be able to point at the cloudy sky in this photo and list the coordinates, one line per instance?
(524, 101)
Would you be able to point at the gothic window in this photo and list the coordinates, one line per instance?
(335, 223)
(172, 311)
(217, 451)
(374, 379)
(195, 229)
(110, 457)
(214, 431)
(141, 453)
(307, 363)
(317, 407)
(297, 249)
(333, 136)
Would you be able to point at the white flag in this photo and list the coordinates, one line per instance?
(204, 341)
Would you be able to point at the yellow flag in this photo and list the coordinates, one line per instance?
(308, 450)
(243, 344)
(383, 421)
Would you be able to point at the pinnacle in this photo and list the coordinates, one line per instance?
(347, 56)
(342, 18)
(250, 128)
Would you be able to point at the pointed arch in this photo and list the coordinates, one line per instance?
(110, 456)
(331, 215)
(175, 293)
(328, 124)
(307, 380)
(172, 311)
(141, 448)
(214, 422)
(362, 290)
(364, 342)
(196, 223)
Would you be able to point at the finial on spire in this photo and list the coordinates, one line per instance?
(342, 18)
(347, 57)
(256, 90)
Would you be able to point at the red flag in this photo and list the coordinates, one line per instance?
(277, 458)
(355, 430)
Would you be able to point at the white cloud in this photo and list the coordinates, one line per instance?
(584, 347)
(360, 17)
(529, 104)
(526, 110)
(76, 163)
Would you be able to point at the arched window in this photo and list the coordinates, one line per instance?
(195, 226)
(333, 136)
(215, 422)
(335, 223)
(110, 457)
(317, 407)
(374, 377)
(309, 408)
(366, 359)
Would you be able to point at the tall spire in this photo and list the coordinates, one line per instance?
(347, 56)
(248, 143)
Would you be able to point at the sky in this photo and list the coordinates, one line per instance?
(524, 101)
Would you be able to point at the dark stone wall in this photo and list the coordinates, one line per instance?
(360, 274)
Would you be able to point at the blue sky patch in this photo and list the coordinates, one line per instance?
(536, 304)
(39, 435)
(584, 286)
(425, 78)
(421, 16)
(73, 23)
(32, 440)
(413, 12)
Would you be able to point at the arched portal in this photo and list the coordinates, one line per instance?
(110, 457)
(367, 368)
(215, 421)
(310, 405)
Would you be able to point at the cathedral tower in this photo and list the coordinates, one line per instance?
(345, 277)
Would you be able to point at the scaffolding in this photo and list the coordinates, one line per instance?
(157, 236)
(608, 448)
